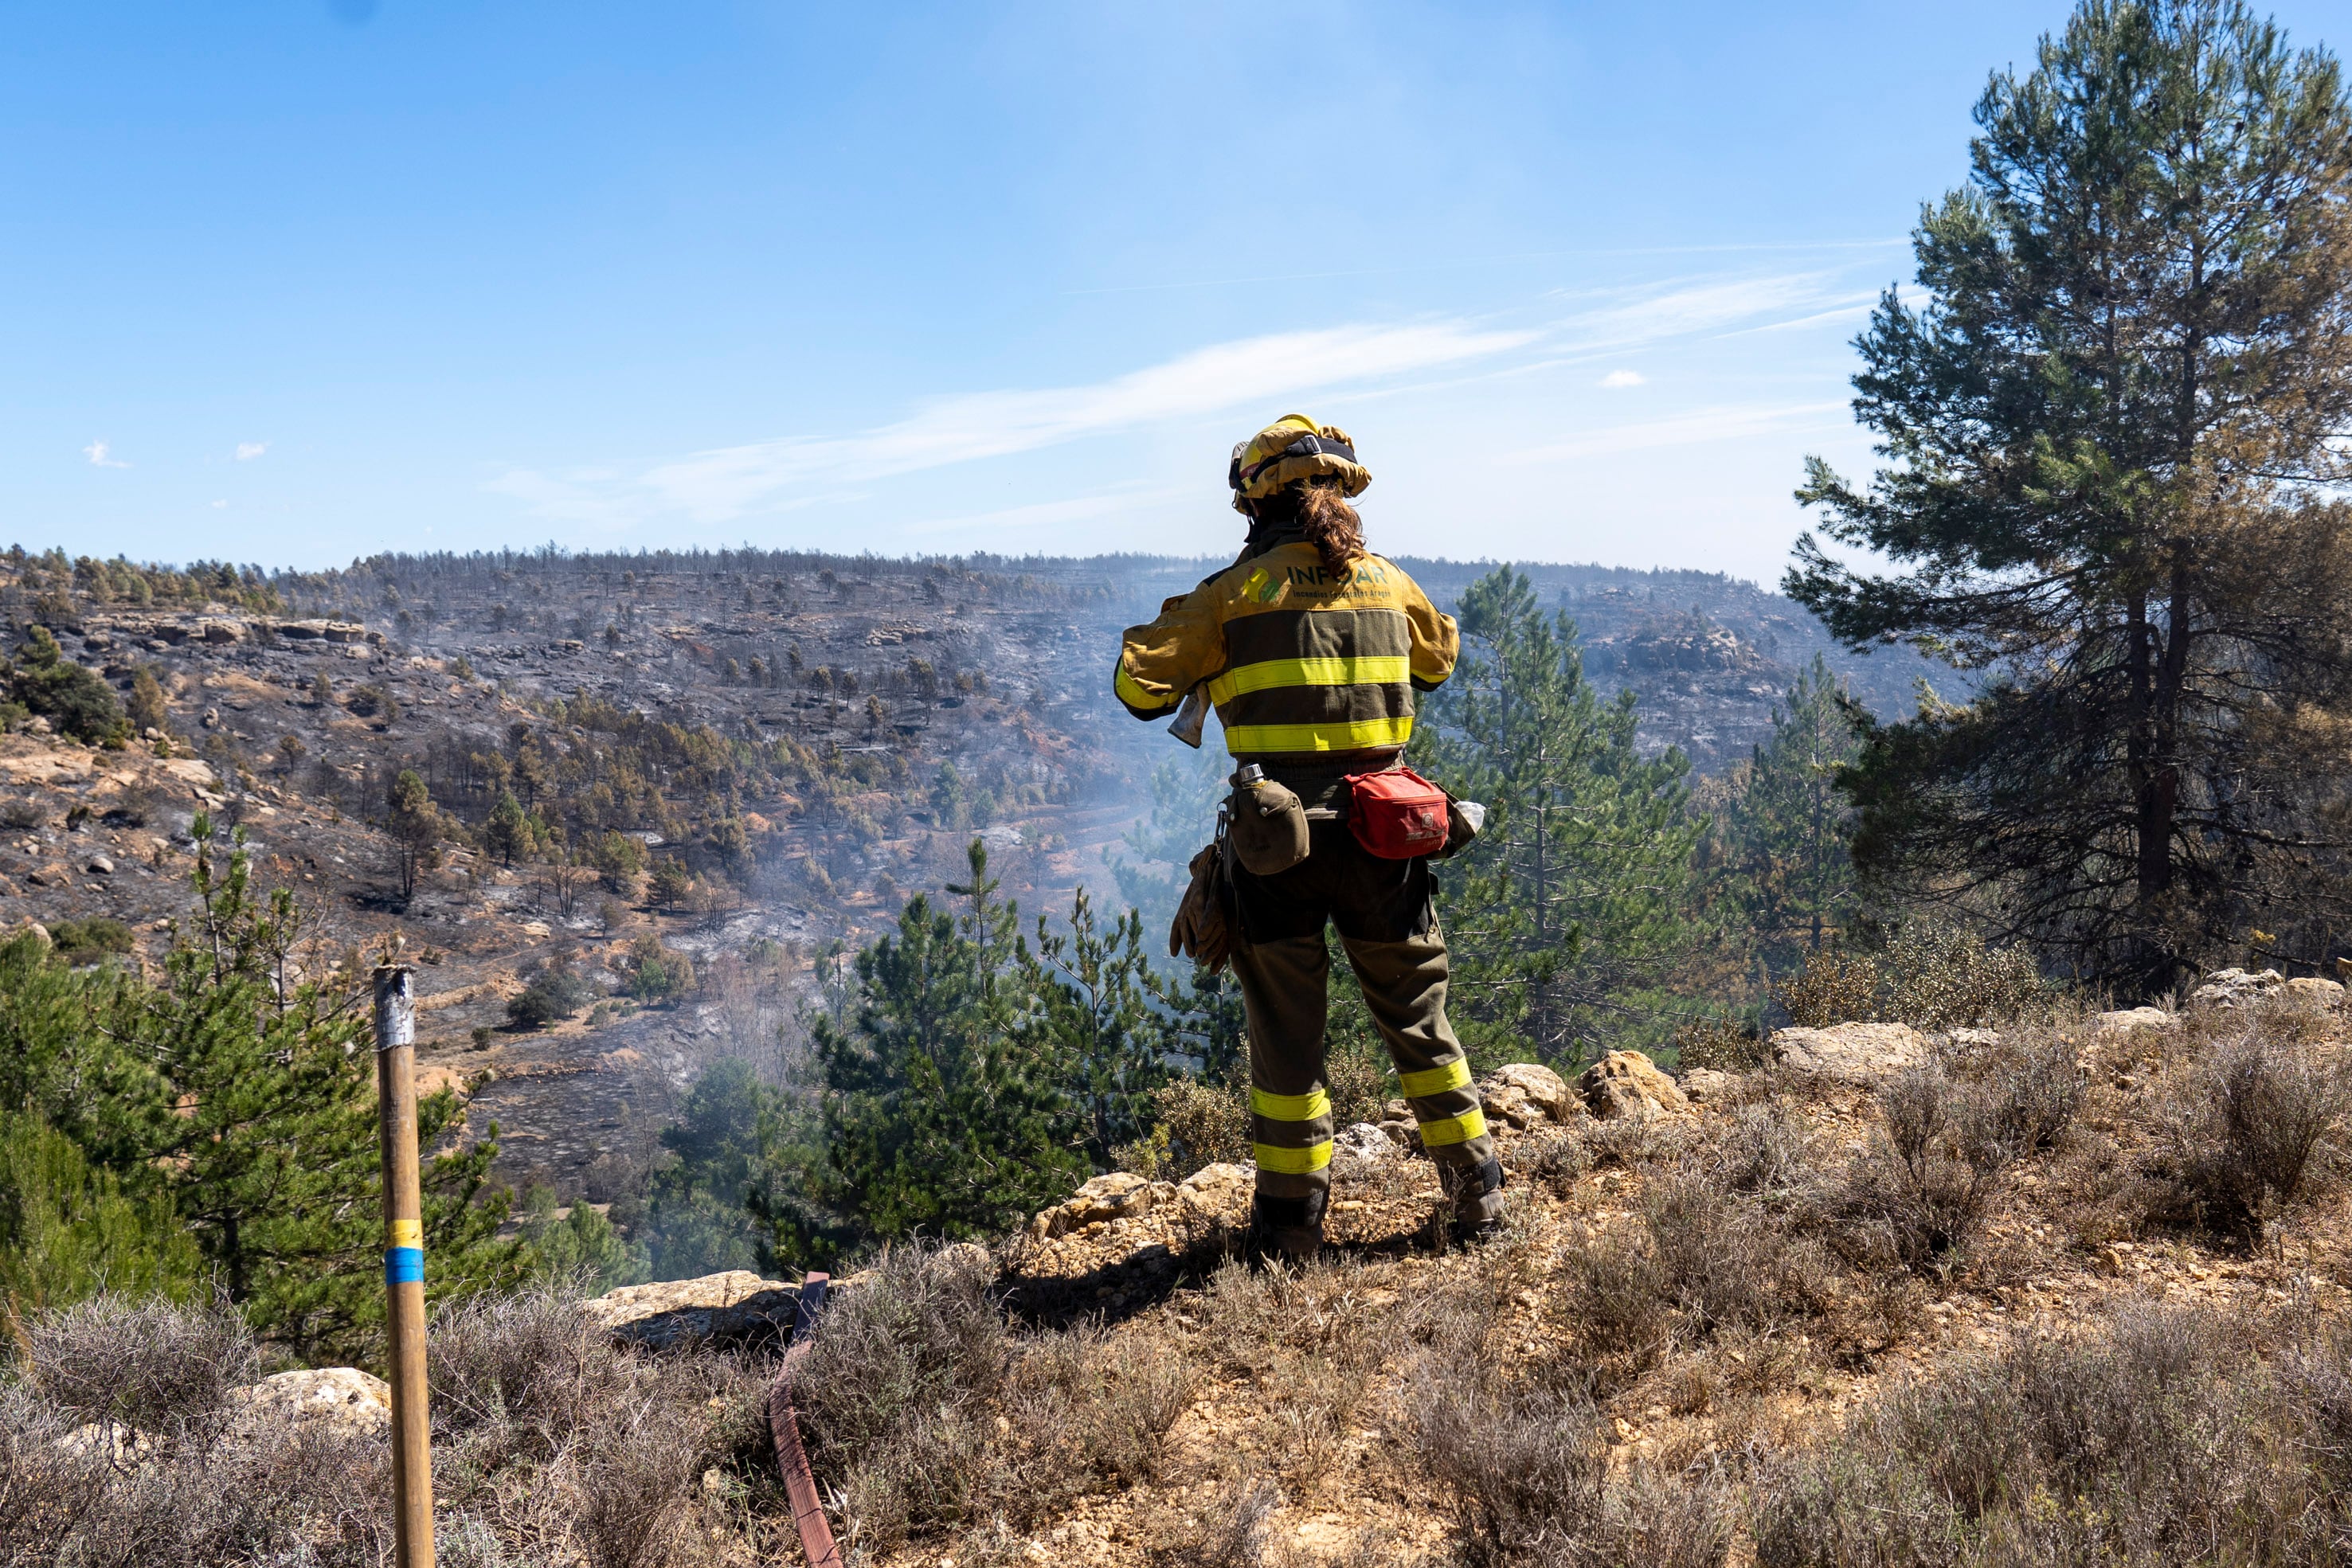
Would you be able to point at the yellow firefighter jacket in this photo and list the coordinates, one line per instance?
(1299, 661)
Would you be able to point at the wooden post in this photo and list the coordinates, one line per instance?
(404, 1267)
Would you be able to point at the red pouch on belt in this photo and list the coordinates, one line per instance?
(1397, 814)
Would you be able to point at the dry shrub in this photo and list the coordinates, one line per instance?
(1616, 1296)
(1763, 1150)
(158, 1367)
(2161, 1437)
(1721, 1261)
(1552, 1157)
(634, 1473)
(1722, 1044)
(1922, 1190)
(2240, 1133)
(1833, 988)
(1088, 1412)
(892, 1393)
(1229, 1533)
(525, 1372)
(1195, 1123)
(2028, 1087)
(47, 1486)
(1523, 1466)
(1938, 977)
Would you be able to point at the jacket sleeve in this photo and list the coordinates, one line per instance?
(1159, 663)
(1436, 642)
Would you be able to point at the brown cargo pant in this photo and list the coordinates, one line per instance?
(1382, 909)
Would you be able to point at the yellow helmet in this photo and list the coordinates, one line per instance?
(1294, 447)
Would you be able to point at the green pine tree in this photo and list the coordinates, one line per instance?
(1566, 916)
(242, 1100)
(696, 1220)
(509, 832)
(1787, 828)
(1095, 1022)
(939, 1113)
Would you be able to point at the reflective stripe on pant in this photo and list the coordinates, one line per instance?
(1284, 989)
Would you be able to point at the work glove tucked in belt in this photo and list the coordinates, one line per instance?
(1199, 931)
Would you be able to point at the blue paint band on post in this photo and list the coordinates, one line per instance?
(404, 1265)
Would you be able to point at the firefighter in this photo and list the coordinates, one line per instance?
(1312, 649)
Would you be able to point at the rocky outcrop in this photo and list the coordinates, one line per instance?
(1706, 1086)
(333, 1401)
(2125, 1019)
(1863, 1054)
(1627, 1084)
(1525, 1093)
(1119, 1195)
(2313, 992)
(2234, 988)
(715, 1309)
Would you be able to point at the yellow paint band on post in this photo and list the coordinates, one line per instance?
(1455, 1074)
(1304, 1107)
(1292, 1162)
(1471, 1124)
(403, 1233)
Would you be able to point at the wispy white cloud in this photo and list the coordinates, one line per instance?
(221, 504)
(101, 455)
(247, 451)
(729, 482)
(722, 484)
(1700, 427)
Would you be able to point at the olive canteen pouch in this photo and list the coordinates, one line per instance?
(1267, 826)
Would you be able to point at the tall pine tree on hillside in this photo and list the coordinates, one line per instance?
(2114, 496)
(1564, 918)
(1785, 829)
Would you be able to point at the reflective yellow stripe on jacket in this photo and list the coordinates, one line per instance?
(1299, 659)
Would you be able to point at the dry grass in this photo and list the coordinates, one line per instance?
(2161, 1436)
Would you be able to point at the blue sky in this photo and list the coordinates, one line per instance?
(295, 282)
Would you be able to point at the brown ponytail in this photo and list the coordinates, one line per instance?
(1331, 525)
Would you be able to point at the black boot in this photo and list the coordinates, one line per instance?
(1477, 1192)
(1290, 1229)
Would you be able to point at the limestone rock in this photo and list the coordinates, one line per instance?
(54, 874)
(2125, 1019)
(1119, 1195)
(2231, 987)
(1850, 1052)
(1626, 1083)
(735, 1305)
(99, 865)
(1365, 1141)
(340, 1401)
(1540, 1087)
(1508, 1105)
(1221, 1189)
(1706, 1086)
(2315, 992)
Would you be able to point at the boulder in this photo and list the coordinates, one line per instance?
(2233, 988)
(1850, 1052)
(715, 1309)
(1221, 1189)
(1365, 1141)
(1119, 1195)
(1626, 1083)
(2315, 992)
(98, 865)
(1508, 1105)
(2125, 1019)
(337, 1401)
(54, 874)
(1537, 1085)
(1706, 1086)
